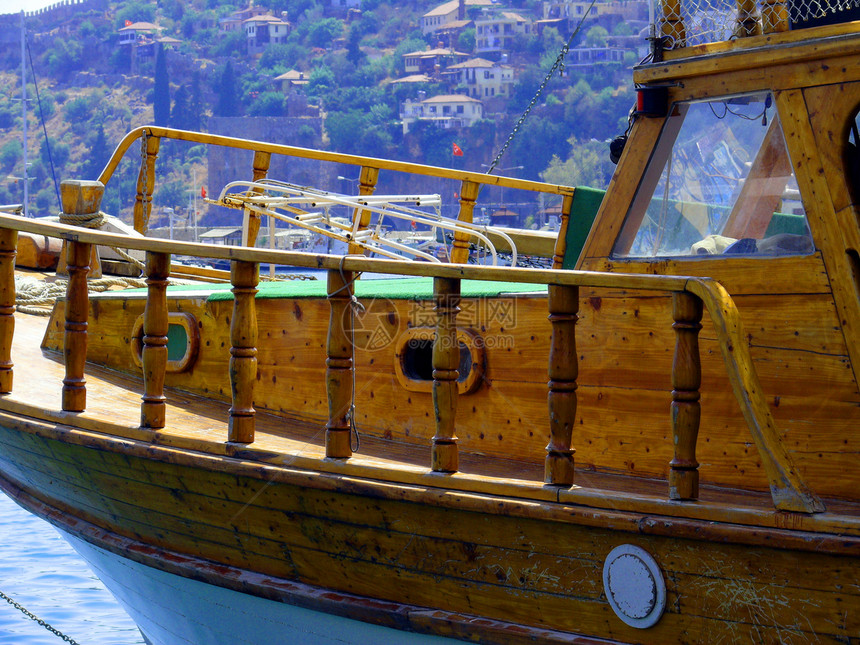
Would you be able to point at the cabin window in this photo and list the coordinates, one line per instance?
(852, 158)
(413, 362)
(183, 341)
(720, 182)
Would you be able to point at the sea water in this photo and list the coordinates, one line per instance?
(41, 572)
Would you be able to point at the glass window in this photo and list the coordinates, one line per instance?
(720, 182)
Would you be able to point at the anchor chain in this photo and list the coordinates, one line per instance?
(41, 622)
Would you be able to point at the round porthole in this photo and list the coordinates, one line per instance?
(634, 586)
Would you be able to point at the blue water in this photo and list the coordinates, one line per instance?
(39, 570)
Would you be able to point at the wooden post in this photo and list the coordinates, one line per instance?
(747, 20)
(8, 245)
(75, 338)
(367, 179)
(561, 241)
(154, 352)
(563, 371)
(243, 351)
(446, 361)
(460, 247)
(774, 16)
(145, 183)
(252, 226)
(81, 201)
(673, 24)
(338, 373)
(686, 410)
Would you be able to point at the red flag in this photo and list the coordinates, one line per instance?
(456, 150)
(128, 23)
(203, 192)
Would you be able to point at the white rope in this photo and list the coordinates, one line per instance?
(33, 295)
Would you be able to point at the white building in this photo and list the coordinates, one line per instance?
(495, 33)
(446, 111)
(482, 78)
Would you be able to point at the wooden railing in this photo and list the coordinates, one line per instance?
(691, 296)
(149, 138)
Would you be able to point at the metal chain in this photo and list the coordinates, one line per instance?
(559, 63)
(32, 616)
(144, 166)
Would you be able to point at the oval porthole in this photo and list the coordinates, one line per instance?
(183, 340)
(634, 586)
(413, 362)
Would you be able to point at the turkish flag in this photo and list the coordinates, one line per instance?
(203, 192)
(128, 23)
(456, 150)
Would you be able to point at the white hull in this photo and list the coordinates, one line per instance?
(173, 610)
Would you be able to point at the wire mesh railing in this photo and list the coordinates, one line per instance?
(684, 23)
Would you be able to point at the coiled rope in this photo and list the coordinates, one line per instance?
(32, 296)
(96, 220)
(34, 617)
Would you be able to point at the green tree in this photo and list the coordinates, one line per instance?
(138, 11)
(466, 40)
(587, 164)
(227, 101)
(10, 153)
(322, 33)
(180, 115)
(268, 104)
(96, 158)
(195, 104)
(596, 36)
(161, 91)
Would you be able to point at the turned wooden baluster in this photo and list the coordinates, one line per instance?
(367, 179)
(460, 247)
(154, 352)
(673, 28)
(8, 247)
(561, 241)
(243, 350)
(145, 183)
(81, 201)
(338, 373)
(563, 371)
(774, 16)
(252, 225)
(686, 411)
(75, 338)
(446, 361)
(747, 20)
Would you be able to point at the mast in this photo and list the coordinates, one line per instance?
(24, 111)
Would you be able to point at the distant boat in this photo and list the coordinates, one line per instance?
(368, 461)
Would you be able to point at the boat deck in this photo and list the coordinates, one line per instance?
(199, 424)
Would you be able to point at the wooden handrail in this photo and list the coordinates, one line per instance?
(788, 489)
(321, 155)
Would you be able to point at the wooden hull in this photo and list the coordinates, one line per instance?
(426, 559)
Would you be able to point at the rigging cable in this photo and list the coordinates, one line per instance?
(559, 63)
(44, 129)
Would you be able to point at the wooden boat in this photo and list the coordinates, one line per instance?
(199, 445)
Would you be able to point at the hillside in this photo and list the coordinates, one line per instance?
(104, 67)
